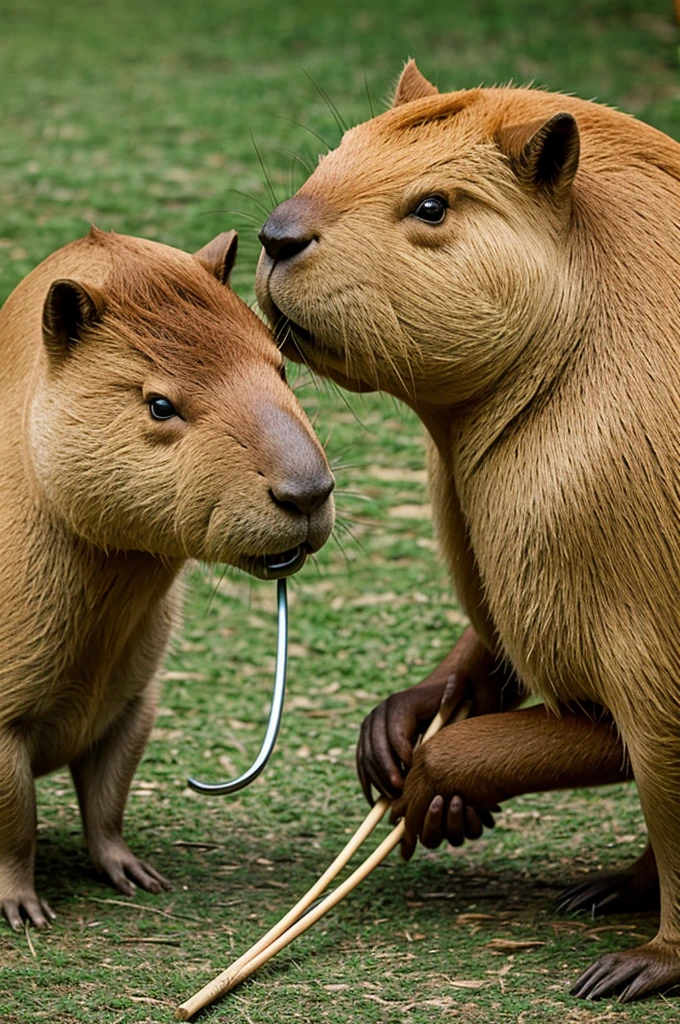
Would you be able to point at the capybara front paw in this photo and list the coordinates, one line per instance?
(26, 906)
(631, 974)
(127, 872)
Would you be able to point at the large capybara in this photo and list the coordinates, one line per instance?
(145, 420)
(506, 262)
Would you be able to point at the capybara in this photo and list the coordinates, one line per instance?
(145, 420)
(506, 262)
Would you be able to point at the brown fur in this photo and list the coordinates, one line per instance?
(101, 505)
(535, 332)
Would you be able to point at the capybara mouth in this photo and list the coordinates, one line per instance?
(283, 563)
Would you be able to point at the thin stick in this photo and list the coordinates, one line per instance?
(283, 933)
(223, 982)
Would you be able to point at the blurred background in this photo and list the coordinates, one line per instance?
(176, 120)
(144, 116)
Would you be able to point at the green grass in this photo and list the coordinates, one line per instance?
(148, 118)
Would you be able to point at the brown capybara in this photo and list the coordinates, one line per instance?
(145, 420)
(506, 261)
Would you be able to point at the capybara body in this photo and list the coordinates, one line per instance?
(506, 261)
(145, 421)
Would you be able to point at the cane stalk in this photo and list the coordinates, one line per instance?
(293, 923)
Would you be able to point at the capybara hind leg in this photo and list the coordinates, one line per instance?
(18, 898)
(102, 778)
(620, 892)
(633, 973)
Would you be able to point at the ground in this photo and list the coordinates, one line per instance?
(157, 119)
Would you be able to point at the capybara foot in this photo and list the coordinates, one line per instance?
(26, 906)
(608, 894)
(115, 860)
(632, 974)
(621, 892)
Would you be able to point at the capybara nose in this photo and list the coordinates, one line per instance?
(289, 229)
(303, 494)
(296, 467)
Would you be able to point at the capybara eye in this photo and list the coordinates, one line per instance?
(432, 210)
(161, 408)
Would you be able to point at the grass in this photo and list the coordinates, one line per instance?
(148, 118)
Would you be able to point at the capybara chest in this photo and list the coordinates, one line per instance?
(70, 699)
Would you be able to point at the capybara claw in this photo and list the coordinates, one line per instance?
(606, 894)
(631, 974)
(622, 892)
(128, 872)
(28, 908)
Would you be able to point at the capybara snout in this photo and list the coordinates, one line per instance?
(291, 228)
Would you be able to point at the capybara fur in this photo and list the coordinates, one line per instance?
(506, 261)
(145, 421)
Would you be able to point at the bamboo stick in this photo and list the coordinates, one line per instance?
(222, 983)
(286, 930)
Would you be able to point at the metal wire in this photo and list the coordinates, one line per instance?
(275, 713)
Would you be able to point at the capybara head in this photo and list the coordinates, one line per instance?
(160, 419)
(424, 254)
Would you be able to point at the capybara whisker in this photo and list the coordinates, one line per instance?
(329, 103)
(327, 145)
(265, 173)
(251, 198)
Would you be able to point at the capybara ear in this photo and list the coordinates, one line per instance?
(219, 255)
(412, 85)
(69, 308)
(543, 153)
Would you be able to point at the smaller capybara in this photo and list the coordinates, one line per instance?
(506, 262)
(145, 420)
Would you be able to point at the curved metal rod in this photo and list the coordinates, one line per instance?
(274, 715)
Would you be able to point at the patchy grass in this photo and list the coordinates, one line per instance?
(141, 117)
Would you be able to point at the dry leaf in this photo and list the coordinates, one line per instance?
(226, 762)
(511, 945)
(369, 600)
(397, 475)
(199, 677)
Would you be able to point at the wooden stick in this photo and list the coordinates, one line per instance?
(223, 982)
(283, 933)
